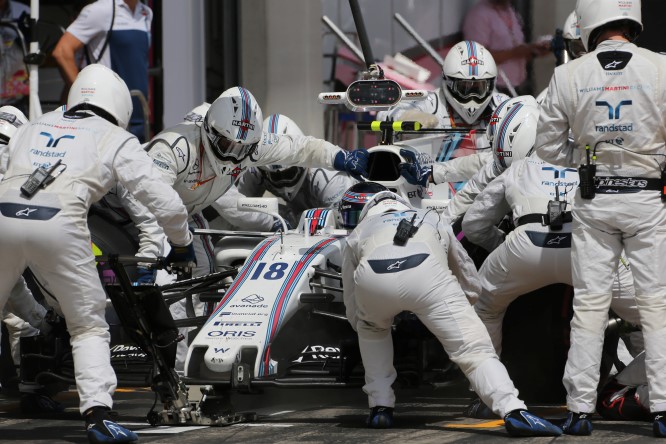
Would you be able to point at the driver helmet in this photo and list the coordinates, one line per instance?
(593, 15)
(233, 125)
(353, 200)
(502, 110)
(10, 120)
(284, 181)
(468, 79)
(516, 134)
(571, 35)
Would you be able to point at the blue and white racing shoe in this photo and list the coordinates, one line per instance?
(577, 424)
(520, 422)
(380, 418)
(101, 429)
(659, 425)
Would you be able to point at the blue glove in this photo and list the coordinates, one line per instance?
(277, 225)
(412, 171)
(145, 275)
(354, 162)
(182, 254)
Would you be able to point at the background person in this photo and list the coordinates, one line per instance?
(496, 25)
(115, 33)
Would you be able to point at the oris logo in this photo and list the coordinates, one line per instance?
(253, 299)
(243, 124)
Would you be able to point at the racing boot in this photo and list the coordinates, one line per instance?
(577, 424)
(478, 409)
(659, 425)
(521, 422)
(380, 418)
(101, 429)
(35, 403)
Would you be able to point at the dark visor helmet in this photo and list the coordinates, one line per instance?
(352, 202)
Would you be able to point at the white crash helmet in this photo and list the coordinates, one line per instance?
(384, 202)
(99, 86)
(593, 14)
(516, 134)
(571, 35)
(233, 125)
(502, 110)
(10, 119)
(283, 181)
(468, 79)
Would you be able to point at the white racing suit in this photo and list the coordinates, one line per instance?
(187, 163)
(381, 279)
(321, 188)
(533, 255)
(614, 100)
(23, 316)
(119, 206)
(464, 198)
(231, 218)
(449, 169)
(49, 232)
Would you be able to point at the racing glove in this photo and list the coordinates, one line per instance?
(413, 171)
(354, 162)
(277, 225)
(145, 275)
(182, 254)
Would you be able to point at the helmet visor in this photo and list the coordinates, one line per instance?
(470, 89)
(575, 48)
(226, 149)
(287, 177)
(350, 215)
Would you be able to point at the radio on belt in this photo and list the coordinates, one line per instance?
(40, 178)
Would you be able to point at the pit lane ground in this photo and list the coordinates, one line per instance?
(305, 416)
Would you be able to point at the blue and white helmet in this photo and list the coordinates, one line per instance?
(468, 79)
(233, 125)
(502, 110)
(516, 133)
(571, 35)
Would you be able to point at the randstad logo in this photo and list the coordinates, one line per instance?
(559, 173)
(614, 114)
(52, 143)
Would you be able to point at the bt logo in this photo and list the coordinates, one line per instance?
(613, 112)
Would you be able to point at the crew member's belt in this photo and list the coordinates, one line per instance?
(542, 218)
(623, 185)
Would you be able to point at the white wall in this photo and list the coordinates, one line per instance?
(281, 59)
(547, 16)
(184, 58)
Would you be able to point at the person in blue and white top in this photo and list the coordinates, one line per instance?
(115, 33)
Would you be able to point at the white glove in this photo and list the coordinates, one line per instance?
(426, 120)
